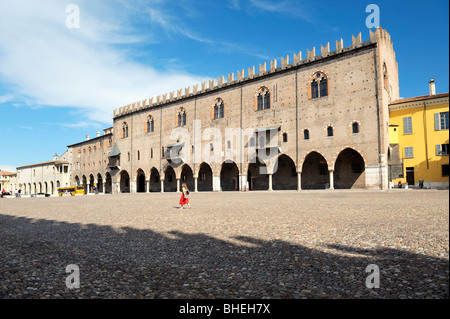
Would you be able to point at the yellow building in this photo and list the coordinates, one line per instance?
(420, 127)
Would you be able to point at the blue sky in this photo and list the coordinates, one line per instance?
(58, 84)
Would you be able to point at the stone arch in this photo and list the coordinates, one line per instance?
(108, 183)
(349, 170)
(205, 178)
(45, 187)
(257, 177)
(124, 182)
(154, 181)
(333, 164)
(315, 173)
(52, 188)
(284, 174)
(77, 181)
(170, 180)
(99, 183)
(229, 176)
(91, 183)
(140, 181)
(187, 176)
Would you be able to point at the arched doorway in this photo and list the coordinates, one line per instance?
(257, 176)
(205, 178)
(155, 181)
(315, 173)
(187, 176)
(77, 181)
(40, 188)
(140, 181)
(284, 174)
(349, 170)
(124, 182)
(170, 180)
(92, 183)
(45, 187)
(84, 180)
(52, 188)
(108, 184)
(229, 177)
(99, 183)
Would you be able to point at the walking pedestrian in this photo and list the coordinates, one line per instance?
(184, 200)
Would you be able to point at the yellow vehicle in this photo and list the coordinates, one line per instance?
(71, 191)
(79, 190)
(66, 191)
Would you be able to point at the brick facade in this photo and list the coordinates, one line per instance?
(361, 81)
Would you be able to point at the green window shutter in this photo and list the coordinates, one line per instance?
(437, 124)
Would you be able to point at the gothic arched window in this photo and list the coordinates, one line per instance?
(124, 130)
(181, 117)
(262, 99)
(150, 125)
(218, 109)
(318, 85)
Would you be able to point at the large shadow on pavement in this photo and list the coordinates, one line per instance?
(133, 263)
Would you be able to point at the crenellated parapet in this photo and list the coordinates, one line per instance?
(275, 66)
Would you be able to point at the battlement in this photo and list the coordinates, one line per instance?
(207, 86)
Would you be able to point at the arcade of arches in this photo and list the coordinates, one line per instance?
(347, 172)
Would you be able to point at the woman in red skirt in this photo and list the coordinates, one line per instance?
(184, 200)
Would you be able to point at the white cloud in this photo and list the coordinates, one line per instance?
(6, 98)
(49, 64)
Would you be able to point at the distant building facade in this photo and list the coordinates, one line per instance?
(310, 123)
(7, 181)
(45, 177)
(90, 162)
(422, 137)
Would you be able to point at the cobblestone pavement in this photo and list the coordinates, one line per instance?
(309, 244)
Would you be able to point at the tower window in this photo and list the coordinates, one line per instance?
(355, 128)
(330, 131)
(306, 134)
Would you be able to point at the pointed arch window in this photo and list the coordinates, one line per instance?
(262, 99)
(318, 85)
(181, 117)
(150, 125)
(218, 109)
(124, 130)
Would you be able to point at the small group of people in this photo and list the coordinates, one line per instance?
(184, 200)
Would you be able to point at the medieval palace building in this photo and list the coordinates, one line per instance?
(314, 122)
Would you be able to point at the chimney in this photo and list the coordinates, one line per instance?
(87, 137)
(432, 87)
(98, 133)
